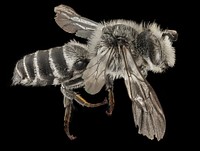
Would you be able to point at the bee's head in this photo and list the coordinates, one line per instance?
(156, 47)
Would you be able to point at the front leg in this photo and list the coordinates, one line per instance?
(111, 100)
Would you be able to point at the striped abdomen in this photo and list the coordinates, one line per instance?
(52, 66)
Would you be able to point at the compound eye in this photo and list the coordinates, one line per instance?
(81, 64)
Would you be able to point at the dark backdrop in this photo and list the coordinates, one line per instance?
(33, 116)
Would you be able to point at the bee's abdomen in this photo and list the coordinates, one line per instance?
(45, 67)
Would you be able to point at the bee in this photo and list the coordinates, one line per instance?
(115, 49)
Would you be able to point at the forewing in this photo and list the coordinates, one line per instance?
(71, 22)
(147, 111)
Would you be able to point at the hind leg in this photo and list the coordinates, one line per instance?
(68, 109)
(69, 96)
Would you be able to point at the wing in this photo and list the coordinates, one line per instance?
(94, 75)
(71, 22)
(147, 111)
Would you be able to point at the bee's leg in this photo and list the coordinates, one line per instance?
(68, 109)
(69, 96)
(83, 102)
(111, 100)
(65, 88)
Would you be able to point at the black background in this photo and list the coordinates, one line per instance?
(33, 116)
